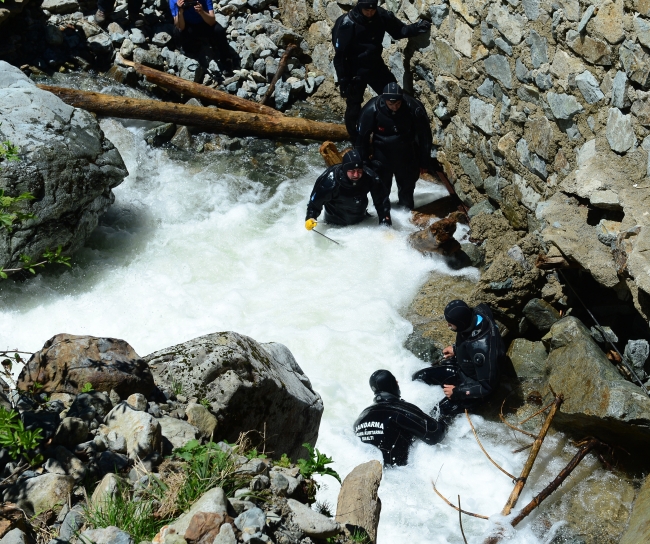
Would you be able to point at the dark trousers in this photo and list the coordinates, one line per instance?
(107, 6)
(377, 79)
(445, 375)
(191, 37)
(403, 162)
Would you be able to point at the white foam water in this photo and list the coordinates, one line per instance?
(191, 248)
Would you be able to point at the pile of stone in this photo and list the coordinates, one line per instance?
(135, 412)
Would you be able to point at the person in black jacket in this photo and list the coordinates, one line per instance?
(472, 371)
(392, 424)
(357, 37)
(343, 190)
(401, 139)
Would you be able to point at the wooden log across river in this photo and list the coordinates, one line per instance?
(236, 123)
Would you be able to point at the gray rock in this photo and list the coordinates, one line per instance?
(563, 106)
(486, 88)
(110, 461)
(88, 406)
(487, 36)
(620, 132)
(636, 63)
(283, 484)
(213, 501)
(137, 36)
(72, 522)
(482, 207)
(109, 535)
(522, 72)
(259, 483)
(585, 17)
(63, 462)
(642, 28)
(65, 150)
(646, 145)
(603, 335)
(251, 521)
(493, 187)
(126, 49)
(471, 169)
(101, 44)
(106, 489)
(540, 314)
(498, 67)
(589, 87)
(226, 534)
(544, 81)
(60, 6)
(311, 522)
(538, 49)
(481, 114)
(446, 58)
(161, 39)
(149, 57)
(115, 442)
(358, 503)
(202, 419)
(71, 431)
(182, 139)
(141, 430)
(503, 46)
(40, 493)
(528, 358)
(15, 536)
(637, 351)
(531, 9)
(530, 160)
(160, 135)
(281, 94)
(137, 401)
(510, 26)
(438, 13)
(177, 431)
(592, 50)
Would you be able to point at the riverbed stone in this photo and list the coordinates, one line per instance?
(67, 362)
(608, 22)
(106, 489)
(212, 501)
(108, 535)
(71, 431)
(585, 18)
(589, 87)
(471, 169)
(41, 493)
(563, 106)
(619, 91)
(538, 49)
(641, 108)
(509, 25)
(60, 6)
(620, 132)
(637, 351)
(591, 49)
(636, 63)
(498, 67)
(481, 114)
(311, 522)
(638, 528)
(15, 536)
(540, 314)
(201, 418)
(446, 58)
(528, 358)
(177, 431)
(140, 429)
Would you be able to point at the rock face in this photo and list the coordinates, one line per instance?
(248, 384)
(638, 528)
(598, 400)
(358, 504)
(66, 163)
(67, 362)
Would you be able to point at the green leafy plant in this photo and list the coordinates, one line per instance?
(283, 462)
(360, 536)
(316, 464)
(8, 151)
(177, 387)
(10, 209)
(20, 442)
(136, 517)
(254, 454)
(205, 403)
(87, 387)
(49, 257)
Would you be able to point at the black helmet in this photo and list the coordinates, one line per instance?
(367, 4)
(392, 92)
(382, 381)
(352, 160)
(458, 313)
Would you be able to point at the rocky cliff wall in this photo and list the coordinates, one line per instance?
(541, 114)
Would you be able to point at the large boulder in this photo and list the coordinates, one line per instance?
(66, 163)
(41, 493)
(251, 386)
(358, 503)
(598, 401)
(140, 429)
(67, 362)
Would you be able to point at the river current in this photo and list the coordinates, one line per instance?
(196, 244)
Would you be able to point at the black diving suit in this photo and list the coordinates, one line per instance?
(358, 46)
(474, 370)
(345, 201)
(401, 142)
(392, 425)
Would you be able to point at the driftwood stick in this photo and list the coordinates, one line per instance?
(516, 428)
(557, 481)
(454, 506)
(521, 481)
(281, 68)
(460, 521)
(207, 94)
(536, 413)
(523, 448)
(483, 449)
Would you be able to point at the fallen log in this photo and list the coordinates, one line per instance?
(237, 123)
(282, 66)
(207, 94)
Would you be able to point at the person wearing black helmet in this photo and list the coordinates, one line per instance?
(472, 365)
(401, 139)
(343, 190)
(357, 37)
(392, 424)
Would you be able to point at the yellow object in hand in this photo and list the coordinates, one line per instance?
(310, 224)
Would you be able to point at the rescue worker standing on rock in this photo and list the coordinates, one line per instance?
(401, 139)
(343, 190)
(357, 37)
(472, 368)
(392, 424)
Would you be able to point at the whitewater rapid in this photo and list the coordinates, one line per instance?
(216, 242)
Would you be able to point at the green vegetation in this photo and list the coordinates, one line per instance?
(29, 265)
(360, 535)
(316, 464)
(324, 508)
(283, 462)
(19, 442)
(8, 151)
(177, 387)
(87, 387)
(10, 211)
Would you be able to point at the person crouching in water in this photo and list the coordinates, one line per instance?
(472, 365)
(392, 424)
(343, 190)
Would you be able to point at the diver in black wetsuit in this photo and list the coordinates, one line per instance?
(357, 37)
(343, 190)
(401, 139)
(392, 424)
(472, 371)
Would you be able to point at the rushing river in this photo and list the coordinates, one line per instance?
(216, 241)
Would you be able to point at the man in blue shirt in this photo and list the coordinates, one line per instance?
(194, 22)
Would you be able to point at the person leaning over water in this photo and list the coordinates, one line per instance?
(401, 139)
(343, 190)
(392, 424)
(357, 37)
(471, 371)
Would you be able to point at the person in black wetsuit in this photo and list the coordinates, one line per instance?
(401, 139)
(392, 424)
(343, 190)
(357, 37)
(472, 370)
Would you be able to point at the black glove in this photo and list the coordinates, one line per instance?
(344, 87)
(423, 27)
(386, 221)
